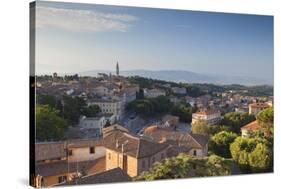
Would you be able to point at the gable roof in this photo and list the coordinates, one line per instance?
(132, 145)
(112, 175)
(107, 130)
(176, 138)
(62, 167)
(252, 126)
(54, 150)
(49, 150)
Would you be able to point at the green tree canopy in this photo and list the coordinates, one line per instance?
(47, 100)
(184, 166)
(236, 120)
(265, 119)
(254, 154)
(72, 108)
(91, 111)
(49, 124)
(150, 107)
(183, 112)
(200, 127)
(220, 142)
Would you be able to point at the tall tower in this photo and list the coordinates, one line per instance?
(117, 69)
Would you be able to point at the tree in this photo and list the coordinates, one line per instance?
(200, 127)
(214, 129)
(220, 143)
(72, 108)
(91, 111)
(46, 100)
(49, 125)
(236, 120)
(183, 112)
(252, 154)
(184, 166)
(265, 119)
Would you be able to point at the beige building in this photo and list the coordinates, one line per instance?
(132, 154)
(58, 162)
(255, 108)
(153, 93)
(109, 106)
(212, 116)
(192, 144)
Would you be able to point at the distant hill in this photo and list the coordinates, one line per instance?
(187, 76)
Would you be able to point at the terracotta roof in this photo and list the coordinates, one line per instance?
(169, 117)
(54, 150)
(113, 175)
(107, 130)
(49, 150)
(176, 138)
(251, 126)
(207, 112)
(62, 167)
(259, 105)
(79, 143)
(153, 128)
(132, 145)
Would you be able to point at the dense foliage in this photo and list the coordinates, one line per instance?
(236, 120)
(265, 119)
(91, 111)
(184, 166)
(200, 127)
(252, 154)
(70, 108)
(220, 142)
(49, 124)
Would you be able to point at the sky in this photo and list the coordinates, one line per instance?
(72, 38)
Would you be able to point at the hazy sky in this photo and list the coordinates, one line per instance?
(82, 37)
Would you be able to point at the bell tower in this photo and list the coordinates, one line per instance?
(117, 69)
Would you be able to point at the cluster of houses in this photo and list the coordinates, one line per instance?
(118, 155)
(114, 153)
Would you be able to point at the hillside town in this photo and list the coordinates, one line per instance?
(112, 128)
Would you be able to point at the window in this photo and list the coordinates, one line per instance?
(92, 150)
(194, 152)
(162, 156)
(109, 156)
(70, 153)
(62, 179)
(153, 159)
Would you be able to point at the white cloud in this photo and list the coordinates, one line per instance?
(82, 20)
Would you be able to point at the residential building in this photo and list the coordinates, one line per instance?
(109, 106)
(109, 176)
(250, 128)
(132, 154)
(153, 93)
(211, 116)
(255, 108)
(108, 130)
(192, 144)
(129, 93)
(242, 109)
(93, 123)
(58, 162)
(179, 90)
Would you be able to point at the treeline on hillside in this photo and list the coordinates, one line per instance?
(198, 89)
